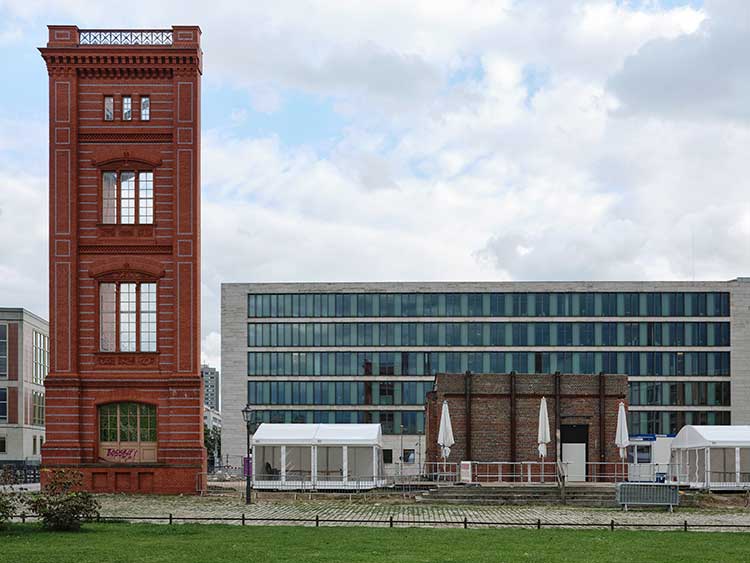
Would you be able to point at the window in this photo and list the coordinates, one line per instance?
(132, 193)
(109, 108)
(386, 422)
(127, 422)
(127, 432)
(3, 447)
(409, 456)
(33, 446)
(3, 350)
(3, 405)
(37, 408)
(386, 393)
(145, 108)
(127, 110)
(127, 310)
(387, 456)
(41, 357)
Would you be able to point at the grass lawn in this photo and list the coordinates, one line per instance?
(197, 543)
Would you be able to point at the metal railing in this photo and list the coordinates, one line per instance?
(439, 471)
(331, 481)
(125, 37)
(19, 474)
(515, 472)
(392, 522)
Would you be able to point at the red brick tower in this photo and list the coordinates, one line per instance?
(124, 395)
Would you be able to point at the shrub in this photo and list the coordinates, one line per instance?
(62, 505)
(7, 497)
(7, 507)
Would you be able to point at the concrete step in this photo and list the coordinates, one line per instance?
(596, 496)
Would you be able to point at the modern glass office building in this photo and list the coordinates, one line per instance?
(369, 352)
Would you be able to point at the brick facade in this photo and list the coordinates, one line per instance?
(499, 423)
(86, 251)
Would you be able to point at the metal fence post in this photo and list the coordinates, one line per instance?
(243, 518)
(390, 523)
(612, 525)
(466, 522)
(539, 524)
(170, 517)
(317, 521)
(685, 525)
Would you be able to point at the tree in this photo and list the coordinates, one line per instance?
(212, 441)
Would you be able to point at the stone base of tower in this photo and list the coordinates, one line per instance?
(140, 479)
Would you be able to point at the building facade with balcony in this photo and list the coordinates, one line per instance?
(369, 352)
(24, 364)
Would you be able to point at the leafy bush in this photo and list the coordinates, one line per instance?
(61, 504)
(7, 507)
(7, 498)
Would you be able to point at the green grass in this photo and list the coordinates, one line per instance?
(196, 543)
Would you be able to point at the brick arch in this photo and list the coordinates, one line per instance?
(126, 161)
(132, 267)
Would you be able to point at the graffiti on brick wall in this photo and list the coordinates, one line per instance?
(121, 454)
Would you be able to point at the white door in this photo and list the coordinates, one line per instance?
(574, 460)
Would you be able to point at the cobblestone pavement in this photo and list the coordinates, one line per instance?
(408, 514)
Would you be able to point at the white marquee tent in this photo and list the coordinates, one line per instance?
(712, 457)
(317, 456)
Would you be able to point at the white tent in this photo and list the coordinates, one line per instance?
(317, 456)
(712, 457)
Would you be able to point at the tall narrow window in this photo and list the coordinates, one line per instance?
(127, 317)
(3, 350)
(3, 405)
(109, 198)
(148, 317)
(145, 108)
(108, 317)
(145, 198)
(127, 198)
(127, 110)
(109, 108)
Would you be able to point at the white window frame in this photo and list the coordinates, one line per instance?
(145, 113)
(127, 108)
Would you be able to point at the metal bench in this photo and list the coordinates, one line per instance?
(648, 494)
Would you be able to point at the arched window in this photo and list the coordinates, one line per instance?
(127, 432)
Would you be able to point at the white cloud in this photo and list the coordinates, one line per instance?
(702, 75)
(448, 168)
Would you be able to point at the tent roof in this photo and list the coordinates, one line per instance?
(318, 434)
(707, 436)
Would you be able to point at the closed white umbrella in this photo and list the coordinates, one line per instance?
(445, 435)
(622, 440)
(543, 437)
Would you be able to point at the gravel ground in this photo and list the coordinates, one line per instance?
(379, 513)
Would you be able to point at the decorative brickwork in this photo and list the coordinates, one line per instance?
(116, 101)
(499, 422)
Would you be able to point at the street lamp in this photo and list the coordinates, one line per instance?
(248, 415)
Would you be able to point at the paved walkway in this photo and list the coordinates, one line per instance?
(379, 514)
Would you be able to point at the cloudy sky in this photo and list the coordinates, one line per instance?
(428, 140)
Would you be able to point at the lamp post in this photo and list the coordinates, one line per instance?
(248, 415)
